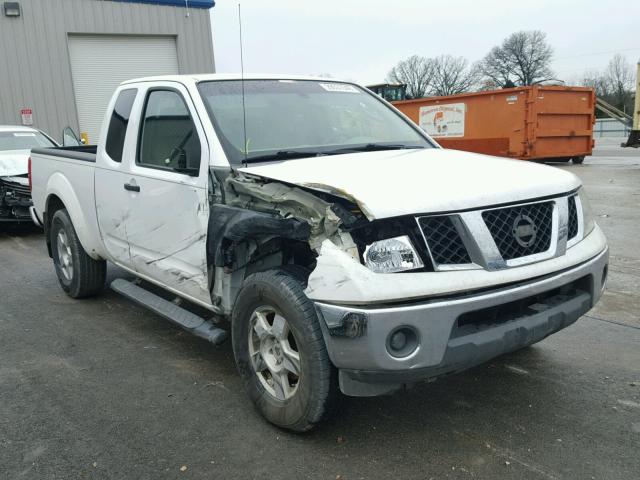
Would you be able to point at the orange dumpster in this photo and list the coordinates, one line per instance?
(530, 123)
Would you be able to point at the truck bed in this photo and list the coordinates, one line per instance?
(85, 153)
(68, 173)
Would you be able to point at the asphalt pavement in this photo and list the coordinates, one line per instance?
(101, 388)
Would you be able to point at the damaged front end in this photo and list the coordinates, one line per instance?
(257, 224)
(15, 199)
(321, 235)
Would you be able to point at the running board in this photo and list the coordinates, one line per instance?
(172, 312)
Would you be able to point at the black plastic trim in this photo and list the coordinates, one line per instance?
(84, 153)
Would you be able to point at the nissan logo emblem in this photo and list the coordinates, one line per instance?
(524, 231)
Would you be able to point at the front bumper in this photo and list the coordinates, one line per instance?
(455, 333)
(15, 200)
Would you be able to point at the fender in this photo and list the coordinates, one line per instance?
(84, 223)
(234, 224)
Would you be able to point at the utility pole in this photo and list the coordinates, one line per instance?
(634, 136)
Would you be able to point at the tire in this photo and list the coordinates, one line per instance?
(578, 160)
(80, 276)
(299, 402)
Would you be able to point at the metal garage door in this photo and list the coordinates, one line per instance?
(99, 63)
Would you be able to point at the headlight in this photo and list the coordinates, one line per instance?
(587, 216)
(392, 255)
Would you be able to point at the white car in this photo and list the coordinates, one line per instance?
(16, 143)
(346, 249)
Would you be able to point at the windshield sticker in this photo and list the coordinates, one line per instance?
(23, 134)
(339, 87)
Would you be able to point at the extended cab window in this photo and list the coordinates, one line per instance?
(118, 124)
(168, 138)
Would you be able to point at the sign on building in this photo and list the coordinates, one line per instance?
(446, 120)
(27, 116)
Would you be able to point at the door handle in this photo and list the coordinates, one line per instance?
(131, 188)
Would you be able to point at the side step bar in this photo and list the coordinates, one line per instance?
(178, 315)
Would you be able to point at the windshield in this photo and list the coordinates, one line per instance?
(293, 119)
(23, 140)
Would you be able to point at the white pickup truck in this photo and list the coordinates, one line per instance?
(343, 248)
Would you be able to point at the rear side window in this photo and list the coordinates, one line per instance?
(168, 137)
(118, 124)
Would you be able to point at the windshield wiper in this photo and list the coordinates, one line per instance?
(281, 155)
(292, 154)
(372, 147)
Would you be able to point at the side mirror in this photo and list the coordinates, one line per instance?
(69, 138)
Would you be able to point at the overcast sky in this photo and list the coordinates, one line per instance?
(362, 39)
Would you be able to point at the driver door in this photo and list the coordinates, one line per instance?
(167, 183)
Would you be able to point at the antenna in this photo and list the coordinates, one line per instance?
(244, 111)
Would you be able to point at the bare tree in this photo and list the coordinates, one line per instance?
(597, 81)
(416, 72)
(451, 75)
(615, 84)
(524, 58)
(619, 77)
(496, 68)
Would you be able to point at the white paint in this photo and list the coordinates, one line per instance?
(112, 209)
(166, 232)
(73, 183)
(391, 183)
(13, 162)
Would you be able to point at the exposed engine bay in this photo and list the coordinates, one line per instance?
(256, 224)
(15, 199)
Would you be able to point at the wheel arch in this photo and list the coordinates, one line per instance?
(61, 194)
(243, 242)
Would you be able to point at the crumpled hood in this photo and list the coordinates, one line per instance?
(14, 162)
(400, 182)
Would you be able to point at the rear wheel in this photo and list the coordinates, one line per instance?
(578, 160)
(280, 352)
(79, 275)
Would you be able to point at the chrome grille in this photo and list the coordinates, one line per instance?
(506, 225)
(444, 240)
(573, 218)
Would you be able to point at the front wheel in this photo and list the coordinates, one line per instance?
(280, 352)
(79, 274)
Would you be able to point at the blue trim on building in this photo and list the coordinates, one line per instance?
(176, 3)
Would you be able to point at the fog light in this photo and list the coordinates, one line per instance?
(398, 340)
(402, 342)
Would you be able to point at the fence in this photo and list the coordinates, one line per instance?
(608, 127)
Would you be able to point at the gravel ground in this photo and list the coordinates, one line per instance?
(102, 388)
